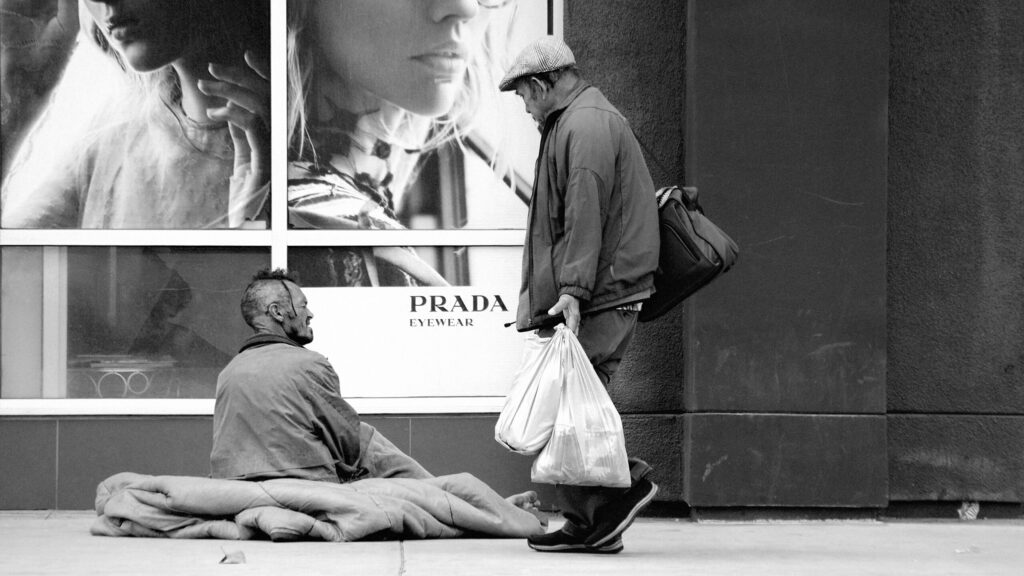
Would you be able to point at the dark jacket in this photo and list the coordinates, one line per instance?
(279, 413)
(593, 223)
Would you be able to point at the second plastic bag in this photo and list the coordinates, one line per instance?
(587, 446)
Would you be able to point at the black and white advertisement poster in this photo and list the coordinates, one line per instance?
(389, 142)
(152, 162)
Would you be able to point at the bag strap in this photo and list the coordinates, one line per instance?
(687, 197)
(663, 195)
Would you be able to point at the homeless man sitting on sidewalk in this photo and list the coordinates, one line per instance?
(591, 251)
(291, 458)
(279, 411)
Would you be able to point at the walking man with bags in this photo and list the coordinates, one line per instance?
(590, 255)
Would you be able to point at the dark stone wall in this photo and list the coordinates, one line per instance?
(956, 250)
(956, 186)
(788, 152)
(785, 395)
(940, 457)
(636, 57)
(774, 460)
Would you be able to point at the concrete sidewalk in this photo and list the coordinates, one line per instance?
(59, 543)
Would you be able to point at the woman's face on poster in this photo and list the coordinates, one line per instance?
(148, 34)
(411, 53)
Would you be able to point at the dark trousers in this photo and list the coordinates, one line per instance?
(604, 337)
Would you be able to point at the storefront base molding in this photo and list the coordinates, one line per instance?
(785, 460)
(56, 462)
(956, 457)
(737, 466)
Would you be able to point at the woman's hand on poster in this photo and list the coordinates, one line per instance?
(246, 90)
(569, 306)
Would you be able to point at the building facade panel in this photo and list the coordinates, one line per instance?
(785, 460)
(956, 458)
(95, 448)
(28, 464)
(788, 151)
(956, 186)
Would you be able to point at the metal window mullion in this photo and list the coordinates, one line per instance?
(279, 144)
(55, 322)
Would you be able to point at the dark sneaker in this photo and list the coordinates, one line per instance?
(613, 519)
(559, 541)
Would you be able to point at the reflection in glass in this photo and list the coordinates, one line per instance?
(496, 266)
(149, 322)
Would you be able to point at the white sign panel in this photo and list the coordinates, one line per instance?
(418, 342)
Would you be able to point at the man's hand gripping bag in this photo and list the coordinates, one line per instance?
(587, 446)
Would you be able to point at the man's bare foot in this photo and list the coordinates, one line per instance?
(530, 502)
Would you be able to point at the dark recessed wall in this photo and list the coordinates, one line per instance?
(956, 186)
(956, 250)
(785, 397)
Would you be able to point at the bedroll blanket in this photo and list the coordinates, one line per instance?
(129, 504)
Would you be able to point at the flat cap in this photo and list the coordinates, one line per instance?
(542, 55)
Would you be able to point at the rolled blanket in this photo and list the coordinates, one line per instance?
(129, 504)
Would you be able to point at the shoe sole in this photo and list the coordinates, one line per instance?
(628, 519)
(607, 549)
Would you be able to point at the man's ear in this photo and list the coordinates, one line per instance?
(538, 89)
(274, 311)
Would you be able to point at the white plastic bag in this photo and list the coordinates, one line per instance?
(528, 415)
(587, 446)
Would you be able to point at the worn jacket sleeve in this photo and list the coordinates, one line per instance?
(590, 168)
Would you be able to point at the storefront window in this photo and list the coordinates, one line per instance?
(407, 236)
(103, 133)
(121, 322)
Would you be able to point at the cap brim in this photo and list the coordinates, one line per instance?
(509, 84)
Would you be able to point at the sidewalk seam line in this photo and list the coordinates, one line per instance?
(401, 558)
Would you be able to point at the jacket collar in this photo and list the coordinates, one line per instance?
(580, 86)
(257, 340)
